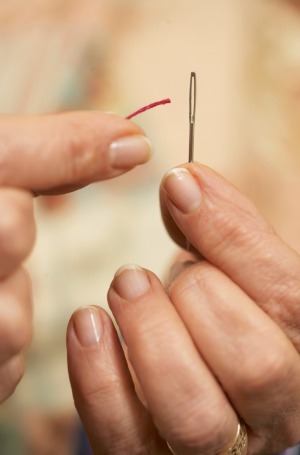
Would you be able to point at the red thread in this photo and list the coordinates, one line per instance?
(146, 108)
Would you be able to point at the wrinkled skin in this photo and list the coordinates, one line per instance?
(218, 342)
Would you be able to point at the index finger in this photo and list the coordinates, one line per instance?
(226, 228)
(51, 154)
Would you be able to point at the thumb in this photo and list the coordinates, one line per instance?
(51, 154)
(226, 228)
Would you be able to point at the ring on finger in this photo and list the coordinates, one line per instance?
(238, 445)
(170, 448)
(240, 441)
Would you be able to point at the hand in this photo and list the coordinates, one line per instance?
(47, 155)
(221, 343)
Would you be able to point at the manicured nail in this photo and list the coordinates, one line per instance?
(130, 151)
(183, 190)
(88, 325)
(131, 282)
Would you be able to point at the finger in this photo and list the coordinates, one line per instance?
(17, 228)
(179, 263)
(15, 314)
(254, 361)
(57, 153)
(185, 400)
(226, 228)
(115, 420)
(11, 373)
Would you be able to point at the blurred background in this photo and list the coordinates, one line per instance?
(118, 55)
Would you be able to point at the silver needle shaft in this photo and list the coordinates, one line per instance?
(192, 114)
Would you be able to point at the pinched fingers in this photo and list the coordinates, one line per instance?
(183, 396)
(225, 228)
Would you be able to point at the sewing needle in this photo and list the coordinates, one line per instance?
(192, 115)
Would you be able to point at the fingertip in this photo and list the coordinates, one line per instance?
(131, 282)
(86, 325)
(182, 190)
(85, 340)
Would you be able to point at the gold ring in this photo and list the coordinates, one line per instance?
(171, 450)
(240, 441)
(238, 445)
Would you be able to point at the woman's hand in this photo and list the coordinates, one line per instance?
(218, 345)
(47, 155)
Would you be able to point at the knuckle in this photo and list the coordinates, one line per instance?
(107, 389)
(22, 335)
(261, 375)
(247, 233)
(10, 376)
(17, 228)
(281, 299)
(17, 330)
(80, 150)
(195, 429)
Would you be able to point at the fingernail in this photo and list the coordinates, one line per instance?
(130, 151)
(131, 282)
(183, 190)
(88, 325)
